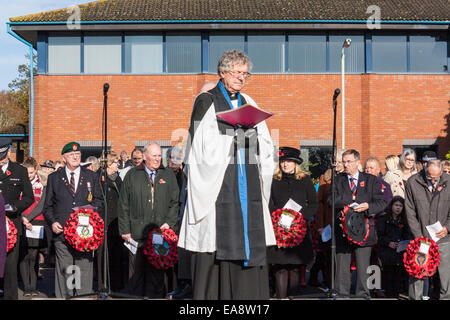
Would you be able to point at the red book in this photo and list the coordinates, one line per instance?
(244, 115)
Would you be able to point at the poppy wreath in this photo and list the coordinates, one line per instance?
(162, 256)
(417, 264)
(82, 238)
(292, 237)
(11, 236)
(344, 228)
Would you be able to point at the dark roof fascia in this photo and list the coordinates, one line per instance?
(28, 30)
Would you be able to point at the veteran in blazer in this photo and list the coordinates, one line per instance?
(364, 191)
(72, 186)
(18, 194)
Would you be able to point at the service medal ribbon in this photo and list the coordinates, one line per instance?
(89, 199)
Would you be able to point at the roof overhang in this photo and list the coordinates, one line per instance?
(29, 30)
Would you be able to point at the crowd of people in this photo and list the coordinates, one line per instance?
(217, 194)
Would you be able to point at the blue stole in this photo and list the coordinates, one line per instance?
(242, 178)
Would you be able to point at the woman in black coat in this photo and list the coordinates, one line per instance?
(392, 228)
(291, 182)
(117, 255)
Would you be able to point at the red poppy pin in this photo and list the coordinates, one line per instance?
(361, 184)
(439, 189)
(8, 173)
(280, 153)
(400, 183)
(161, 181)
(400, 226)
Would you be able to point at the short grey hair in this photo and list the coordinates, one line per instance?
(233, 57)
(175, 154)
(406, 152)
(149, 144)
(434, 163)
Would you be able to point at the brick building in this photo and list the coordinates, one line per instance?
(157, 54)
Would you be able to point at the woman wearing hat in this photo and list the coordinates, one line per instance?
(291, 182)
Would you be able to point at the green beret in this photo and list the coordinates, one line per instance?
(71, 146)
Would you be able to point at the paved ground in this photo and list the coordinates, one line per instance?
(46, 288)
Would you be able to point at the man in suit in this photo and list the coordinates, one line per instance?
(72, 186)
(18, 194)
(363, 192)
(148, 200)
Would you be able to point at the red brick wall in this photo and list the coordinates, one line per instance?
(381, 110)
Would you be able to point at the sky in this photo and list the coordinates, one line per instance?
(12, 51)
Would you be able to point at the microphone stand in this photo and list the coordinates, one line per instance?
(332, 292)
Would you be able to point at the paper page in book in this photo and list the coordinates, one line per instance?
(245, 115)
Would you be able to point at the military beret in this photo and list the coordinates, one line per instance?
(5, 144)
(71, 146)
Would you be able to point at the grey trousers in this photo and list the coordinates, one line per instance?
(415, 288)
(343, 274)
(66, 282)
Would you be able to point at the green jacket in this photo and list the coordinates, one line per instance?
(138, 211)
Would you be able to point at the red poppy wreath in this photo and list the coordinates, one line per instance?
(289, 227)
(420, 265)
(87, 236)
(11, 234)
(164, 254)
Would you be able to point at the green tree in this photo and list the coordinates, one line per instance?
(20, 86)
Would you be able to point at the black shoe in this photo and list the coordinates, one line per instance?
(186, 293)
(27, 294)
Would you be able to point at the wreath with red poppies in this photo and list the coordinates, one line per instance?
(292, 236)
(421, 265)
(11, 234)
(344, 229)
(84, 238)
(165, 255)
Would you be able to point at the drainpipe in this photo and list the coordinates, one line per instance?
(8, 27)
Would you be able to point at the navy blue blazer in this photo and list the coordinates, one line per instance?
(59, 200)
(368, 190)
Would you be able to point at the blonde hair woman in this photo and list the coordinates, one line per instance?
(291, 182)
(393, 176)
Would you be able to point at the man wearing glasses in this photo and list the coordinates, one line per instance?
(72, 186)
(427, 202)
(227, 224)
(361, 193)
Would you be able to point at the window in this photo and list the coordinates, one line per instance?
(420, 146)
(218, 44)
(389, 53)
(102, 54)
(64, 55)
(428, 53)
(354, 55)
(184, 53)
(307, 53)
(266, 53)
(144, 54)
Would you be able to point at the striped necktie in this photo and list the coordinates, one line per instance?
(353, 185)
(72, 183)
(152, 176)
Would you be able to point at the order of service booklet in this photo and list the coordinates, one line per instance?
(244, 115)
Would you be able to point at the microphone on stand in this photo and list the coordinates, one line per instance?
(105, 88)
(336, 93)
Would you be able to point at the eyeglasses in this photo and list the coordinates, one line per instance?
(348, 161)
(446, 170)
(238, 74)
(410, 160)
